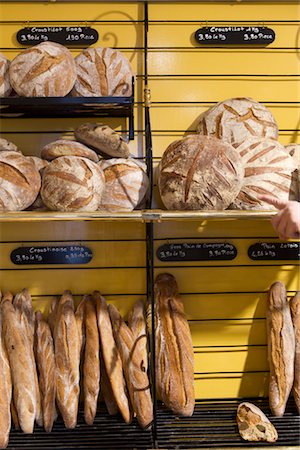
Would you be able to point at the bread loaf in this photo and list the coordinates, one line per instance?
(295, 310)
(138, 326)
(199, 172)
(103, 139)
(281, 348)
(133, 365)
(40, 164)
(268, 170)
(6, 145)
(126, 184)
(107, 392)
(44, 350)
(45, 70)
(236, 119)
(19, 181)
(71, 183)
(254, 425)
(294, 152)
(5, 391)
(102, 72)
(111, 357)
(64, 147)
(5, 86)
(174, 348)
(80, 319)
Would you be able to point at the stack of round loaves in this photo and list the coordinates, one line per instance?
(234, 157)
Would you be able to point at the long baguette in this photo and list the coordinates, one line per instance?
(107, 392)
(295, 310)
(137, 324)
(5, 392)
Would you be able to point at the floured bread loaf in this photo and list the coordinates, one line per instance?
(126, 184)
(254, 425)
(102, 72)
(40, 164)
(64, 147)
(199, 172)
(294, 151)
(103, 139)
(45, 70)
(6, 146)
(295, 311)
(268, 170)
(5, 86)
(71, 183)
(236, 119)
(20, 181)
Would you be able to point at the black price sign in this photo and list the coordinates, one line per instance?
(235, 35)
(62, 35)
(215, 251)
(266, 251)
(69, 254)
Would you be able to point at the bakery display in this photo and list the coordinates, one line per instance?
(5, 86)
(64, 147)
(199, 172)
(44, 70)
(253, 424)
(295, 311)
(102, 71)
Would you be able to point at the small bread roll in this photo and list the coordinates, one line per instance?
(7, 146)
(63, 147)
(5, 86)
(254, 425)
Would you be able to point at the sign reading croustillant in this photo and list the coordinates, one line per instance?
(205, 251)
(67, 254)
(73, 35)
(235, 35)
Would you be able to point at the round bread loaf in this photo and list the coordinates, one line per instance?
(72, 183)
(64, 147)
(40, 164)
(268, 170)
(103, 139)
(294, 151)
(20, 181)
(45, 70)
(7, 146)
(5, 86)
(236, 119)
(101, 72)
(199, 172)
(126, 184)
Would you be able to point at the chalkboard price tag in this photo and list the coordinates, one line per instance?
(268, 251)
(62, 35)
(235, 35)
(215, 251)
(69, 254)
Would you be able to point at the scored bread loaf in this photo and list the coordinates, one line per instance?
(72, 183)
(45, 70)
(6, 145)
(199, 172)
(133, 365)
(20, 181)
(5, 391)
(281, 348)
(268, 170)
(5, 86)
(138, 326)
(236, 119)
(126, 184)
(253, 424)
(295, 310)
(174, 348)
(102, 71)
(64, 147)
(103, 139)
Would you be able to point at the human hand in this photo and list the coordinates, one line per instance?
(287, 221)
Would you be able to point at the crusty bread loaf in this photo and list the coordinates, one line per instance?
(295, 310)
(72, 183)
(80, 319)
(236, 119)
(103, 139)
(111, 357)
(20, 181)
(106, 391)
(5, 86)
(199, 172)
(5, 391)
(268, 170)
(133, 365)
(138, 326)
(44, 350)
(294, 152)
(126, 184)
(102, 72)
(64, 147)
(254, 425)
(40, 164)
(45, 70)
(91, 364)
(174, 348)
(6, 145)
(281, 348)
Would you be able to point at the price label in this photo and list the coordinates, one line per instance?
(62, 35)
(266, 251)
(69, 254)
(214, 251)
(235, 35)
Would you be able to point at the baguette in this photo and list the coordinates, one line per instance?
(5, 392)
(137, 324)
(136, 378)
(14, 415)
(80, 317)
(295, 310)
(111, 357)
(254, 425)
(281, 348)
(107, 392)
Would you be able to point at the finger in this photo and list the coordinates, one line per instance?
(279, 204)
